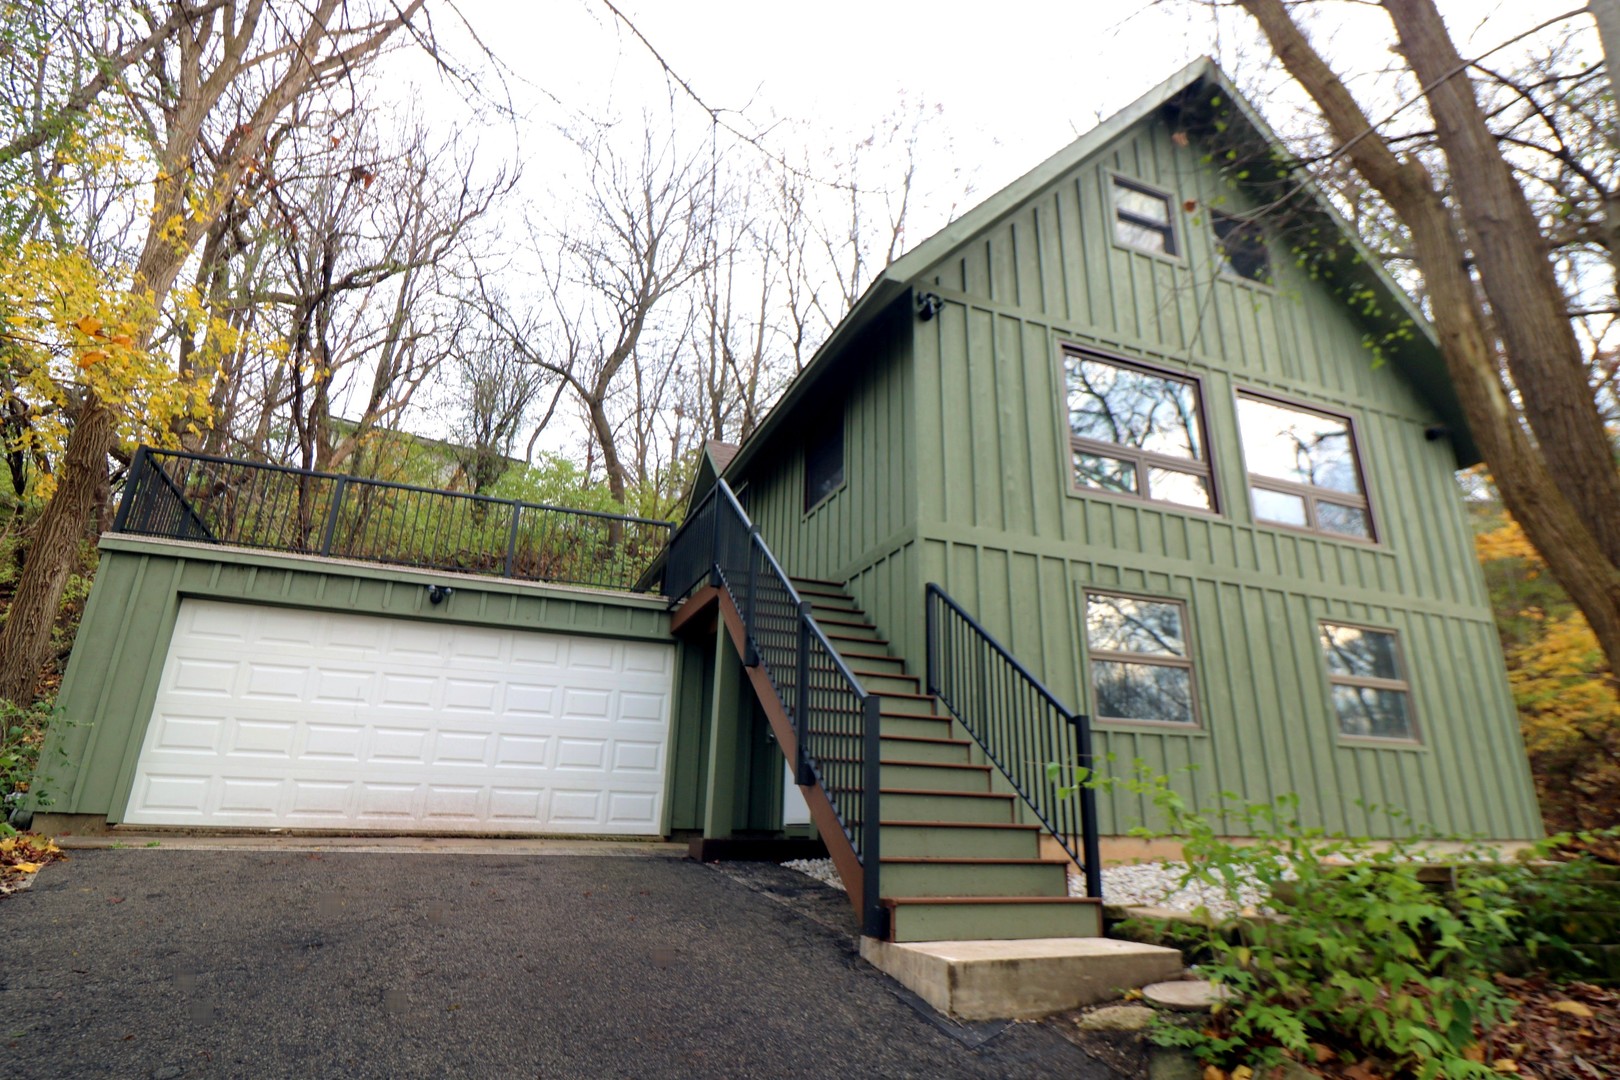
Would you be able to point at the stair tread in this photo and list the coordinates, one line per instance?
(904, 823)
(969, 860)
(815, 580)
(896, 901)
(931, 740)
(948, 794)
(931, 764)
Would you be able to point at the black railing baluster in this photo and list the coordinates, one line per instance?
(1018, 723)
(834, 720)
(280, 508)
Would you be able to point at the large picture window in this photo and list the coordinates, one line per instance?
(1140, 668)
(1142, 218)
(1138, 432)
(1303, 468)
(1367, 682)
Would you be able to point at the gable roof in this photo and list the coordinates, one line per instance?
(1344, 263)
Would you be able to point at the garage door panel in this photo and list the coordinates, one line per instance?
(412, 726)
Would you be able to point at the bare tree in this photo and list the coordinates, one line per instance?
(610, 273)
(185, 70)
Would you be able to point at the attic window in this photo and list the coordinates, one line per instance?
(1241, 248)
(1142, 218)
(824, 461)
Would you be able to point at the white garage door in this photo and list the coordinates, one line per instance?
(300, 719)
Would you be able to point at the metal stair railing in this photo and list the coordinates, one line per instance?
(835, 721)
(200, 497)
(1021, 725)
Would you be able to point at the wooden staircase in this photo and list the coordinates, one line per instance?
(955, 862)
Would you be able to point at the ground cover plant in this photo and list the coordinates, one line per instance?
(1367, 960)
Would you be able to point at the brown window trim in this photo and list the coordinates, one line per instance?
(1196, 724)
(1402, 686)
(1312, 493)
(1142, 459)
(1172, 247)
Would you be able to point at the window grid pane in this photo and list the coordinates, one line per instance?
(1142, 218)
(1136, 432)
(1367, 682)
(1303, 469)
(1140, 669)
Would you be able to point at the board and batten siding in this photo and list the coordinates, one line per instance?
(864, 533)
(1001, 529)
(107, 696)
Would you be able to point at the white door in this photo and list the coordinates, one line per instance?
(288, 718)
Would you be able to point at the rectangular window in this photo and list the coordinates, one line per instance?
(1367, 682)
(1140, 670)
(824, 460)
(1142, 218)
(1136, 432)
(1303, 468)
(1241, 248)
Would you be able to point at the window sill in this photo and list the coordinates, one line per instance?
(1373, 742)
(1158, 727)
(1317, 534)
(1138, 501)
(823, 501)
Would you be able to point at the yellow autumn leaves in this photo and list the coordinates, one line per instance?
(70, 329)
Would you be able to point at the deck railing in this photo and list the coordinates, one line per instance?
(199, 497)
(1021, 725)
(835, 720)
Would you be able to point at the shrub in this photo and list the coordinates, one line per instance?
(1359, 950)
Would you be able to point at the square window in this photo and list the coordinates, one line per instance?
(1303, 468)
(1142, 218)
(824, 461)
(1241, 248)
(1367, 682)
(1136, 432)
(1140, 670)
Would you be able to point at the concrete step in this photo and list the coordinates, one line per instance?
(907, 875)
(938, 749)
(960, 840)
(914, 805)
(986, 979)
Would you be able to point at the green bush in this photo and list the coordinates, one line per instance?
(22, 735)
(1360, 948)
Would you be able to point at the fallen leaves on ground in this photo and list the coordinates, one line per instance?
(22, 856)
(1559, 1031)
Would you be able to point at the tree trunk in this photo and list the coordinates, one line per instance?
(1537, 487)
(26, 637)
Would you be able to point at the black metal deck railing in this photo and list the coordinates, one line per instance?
(1021, 726)
(253, 504)
(835, 720)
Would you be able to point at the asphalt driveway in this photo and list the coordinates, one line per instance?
(183, 963)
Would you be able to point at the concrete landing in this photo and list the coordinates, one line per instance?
(995, 980)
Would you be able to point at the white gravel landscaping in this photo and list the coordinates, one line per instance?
(1154, 884)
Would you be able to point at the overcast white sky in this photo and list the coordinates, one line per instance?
(1013, 80)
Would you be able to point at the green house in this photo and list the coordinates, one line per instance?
(1124, 465)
